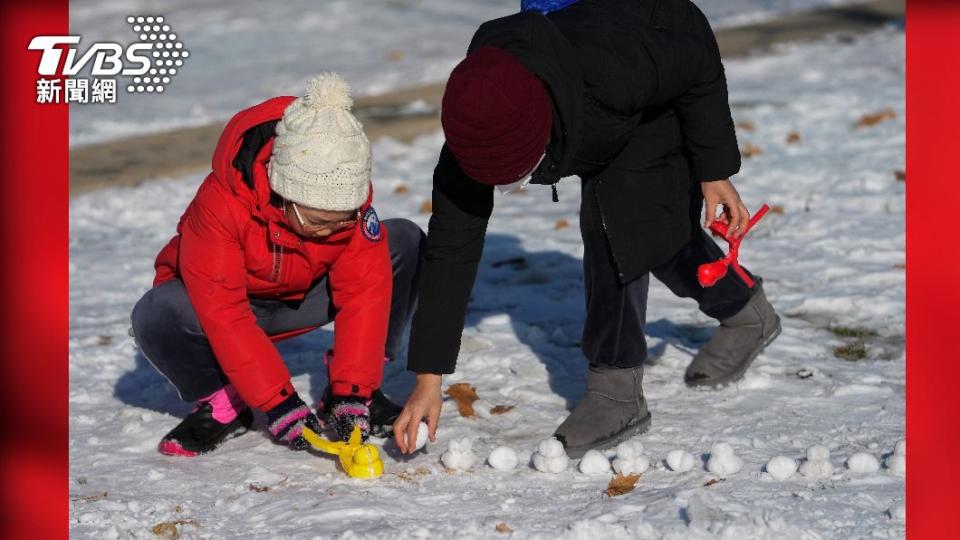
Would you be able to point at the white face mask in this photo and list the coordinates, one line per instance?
(516, 186)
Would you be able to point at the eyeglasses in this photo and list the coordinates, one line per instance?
(315, 226)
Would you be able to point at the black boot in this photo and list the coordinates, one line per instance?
(200, 432)
(383, 412)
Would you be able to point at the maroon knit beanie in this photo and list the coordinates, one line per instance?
(496, 116)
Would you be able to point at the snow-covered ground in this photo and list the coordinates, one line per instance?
(242, 51)
(832, 257)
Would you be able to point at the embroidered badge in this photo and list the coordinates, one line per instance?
(370, 225)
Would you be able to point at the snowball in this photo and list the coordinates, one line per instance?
(635, 465)
(551, 448)
(900, 449)
(503, 458)
(781, 467)
(818, 453)
(629, 449)
(459, 456)
(422, 434)
(863, 463)
(550, 457)
(593, 462)
(897, 464)
(816, 470)
(680, 460)
(722, 460)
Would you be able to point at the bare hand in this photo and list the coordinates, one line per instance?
(424, 402)
(735, 213)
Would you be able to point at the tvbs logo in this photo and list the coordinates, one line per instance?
(150, 64)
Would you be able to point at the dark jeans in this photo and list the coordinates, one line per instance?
(613, 334)
(169, 335)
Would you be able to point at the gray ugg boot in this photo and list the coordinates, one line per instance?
(612, 410)
(740, 338)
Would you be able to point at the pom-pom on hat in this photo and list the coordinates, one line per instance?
(496, 116)
(321, 156)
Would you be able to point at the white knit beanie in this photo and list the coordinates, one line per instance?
(321, 156)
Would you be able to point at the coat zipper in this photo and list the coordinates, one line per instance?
(606, 232)
(277, 260)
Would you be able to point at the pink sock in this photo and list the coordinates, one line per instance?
(226, 403)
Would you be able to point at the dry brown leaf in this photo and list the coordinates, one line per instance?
(414, 476)
(91, 498)
(712, 481)
(395, 55)
(778, 210)
(873, 119)
(168, 529)
(501, 409)
(746, 125)
(464, 395)
(900, 175)
(561, 224)
(503, 528)
(178, 509)
(900, 266)
(103, 341)
(401, 188)
(750, 150)
(793, 137)
(426, 207)
(621, 485)
(257, 488)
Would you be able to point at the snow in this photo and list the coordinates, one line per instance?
(244, 51)
(863, 463)
(550, 457)
(680, 460)
(897, 462)
(630, 458)
(593, 462)
(423, 434)
(503, 458)
(459, 456)
(831, 259)
(723, 461)
(781, 467)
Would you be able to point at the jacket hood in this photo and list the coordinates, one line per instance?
(232, 139)
(539, 45)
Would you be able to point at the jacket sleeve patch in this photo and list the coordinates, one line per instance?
(370, 225)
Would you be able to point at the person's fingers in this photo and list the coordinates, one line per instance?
(711, 214)
(399, 430)
(433, 420)
(733, 217)
(744, 219)
(412, 427)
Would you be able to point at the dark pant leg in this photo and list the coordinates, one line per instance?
(613, 333)
(726, 298)
(406, 241)
(167, 330)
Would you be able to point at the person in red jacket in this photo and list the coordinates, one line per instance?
(280, 239)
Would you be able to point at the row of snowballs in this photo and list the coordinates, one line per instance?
(550, 457)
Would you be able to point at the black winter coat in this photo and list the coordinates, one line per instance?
(639, 108)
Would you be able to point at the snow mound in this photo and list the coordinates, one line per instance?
(593, 462)
(459, 456)
(503, 458)
(818, 453)
(863, 463)
(680, 460)
(781, 467)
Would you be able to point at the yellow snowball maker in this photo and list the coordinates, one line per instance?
(357, 459)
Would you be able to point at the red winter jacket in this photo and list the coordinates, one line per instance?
(231, 244)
